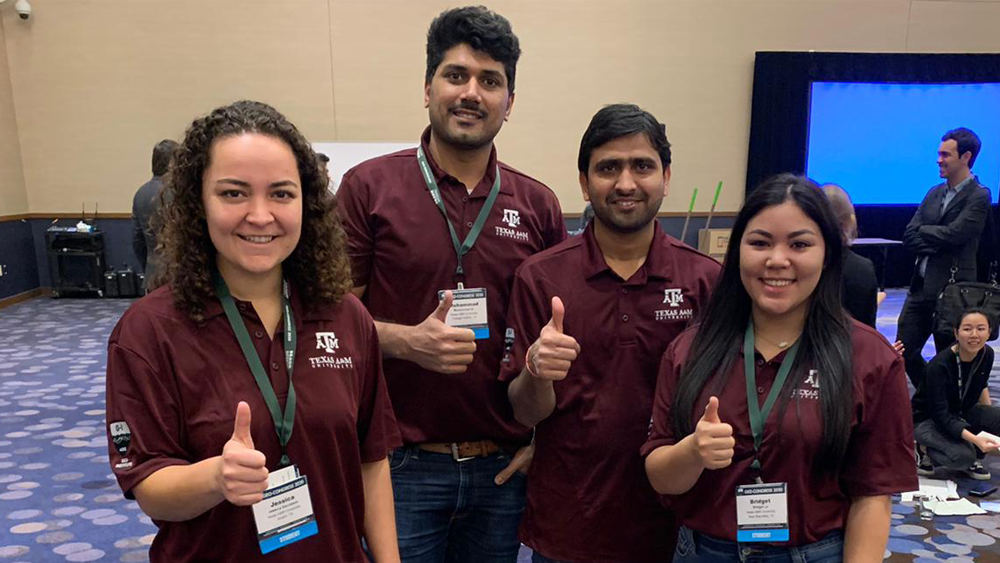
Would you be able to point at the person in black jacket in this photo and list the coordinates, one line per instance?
(144, 206)
(952, 406)
(944, 236)
(859, 292)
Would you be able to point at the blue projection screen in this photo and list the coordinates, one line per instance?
(880, 141)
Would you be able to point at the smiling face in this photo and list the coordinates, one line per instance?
(625, 183)
(951, 165)
(972, 334)
(467, 98)
(253, 205)
(781, 260)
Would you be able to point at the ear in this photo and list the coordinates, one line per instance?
(427, 95)
(583, 186)
(965, 157)
(510, 106)
(666, 181)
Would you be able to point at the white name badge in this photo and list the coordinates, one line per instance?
(468, 310)
(762, 512)
(285, 515)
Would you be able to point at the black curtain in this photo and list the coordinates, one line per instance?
(779, 120)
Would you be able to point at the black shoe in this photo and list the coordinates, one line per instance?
(924, 465)
(978, 472)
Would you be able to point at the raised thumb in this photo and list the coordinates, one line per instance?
(441, 313)
(712, 410)
(558, 312)
(241, 428)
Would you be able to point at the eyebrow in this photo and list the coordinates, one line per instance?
(793, 234)
(245, 184)
(462, 68)
(617, 160)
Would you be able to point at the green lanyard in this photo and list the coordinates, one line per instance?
(461, 249)
(283, 422)
(758, 414)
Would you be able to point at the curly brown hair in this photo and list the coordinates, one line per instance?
(318, 266)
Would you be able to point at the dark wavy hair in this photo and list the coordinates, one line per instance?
(479, 28)
(825, 343)
(318, 266)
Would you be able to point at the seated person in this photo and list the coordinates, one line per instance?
(952, 405)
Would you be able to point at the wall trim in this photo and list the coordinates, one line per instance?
(24, 296)
(28, 216)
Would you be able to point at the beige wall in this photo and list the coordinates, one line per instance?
(13, 198)
(97, 82)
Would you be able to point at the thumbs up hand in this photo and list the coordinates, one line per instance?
(438, 347)
(242, 476)
(552, 354)
(713, 439)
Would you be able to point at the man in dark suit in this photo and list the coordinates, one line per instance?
(944, 235)
(144, 205)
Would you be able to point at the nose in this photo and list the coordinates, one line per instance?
(626, 181)
(472, 91)
(259, 211)
(778, 258)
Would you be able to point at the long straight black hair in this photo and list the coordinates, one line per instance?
(825, 343)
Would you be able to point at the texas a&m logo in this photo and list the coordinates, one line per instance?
(327, 341)
(673, 296)
(511, 217)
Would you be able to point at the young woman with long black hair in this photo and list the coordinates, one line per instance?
(781, 426)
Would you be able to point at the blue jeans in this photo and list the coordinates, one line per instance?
(693, 547)
(450, 511)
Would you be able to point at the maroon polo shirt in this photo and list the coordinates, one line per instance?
(879, 459)
(588, 496)
(400, 249)
(177, 383)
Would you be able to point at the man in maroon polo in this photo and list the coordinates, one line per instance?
(435, 235)
(591, 318)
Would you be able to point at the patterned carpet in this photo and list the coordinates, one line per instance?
(59, 501)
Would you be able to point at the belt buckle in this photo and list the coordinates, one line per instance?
(455, 456)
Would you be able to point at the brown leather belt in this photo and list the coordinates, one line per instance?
(462, 451)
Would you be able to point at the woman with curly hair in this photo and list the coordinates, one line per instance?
(252, 373)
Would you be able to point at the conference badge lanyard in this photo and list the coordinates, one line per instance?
(469, 307)
(762, 508)
(285, 515)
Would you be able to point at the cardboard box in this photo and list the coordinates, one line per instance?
(714, 242)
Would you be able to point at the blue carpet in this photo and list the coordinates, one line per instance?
(59, 501)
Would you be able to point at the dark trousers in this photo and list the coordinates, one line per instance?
(950, 453)
(916, 324)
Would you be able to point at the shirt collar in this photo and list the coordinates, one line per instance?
(483, 188)
(214, 308)
(962, 184)
(658, 261)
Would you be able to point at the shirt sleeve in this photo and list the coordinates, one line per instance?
(376, 426)
(936, 383)
(528, 310)
(880, 459)
(661, 426)
(354, 207)
(140, 396)
(556, 231)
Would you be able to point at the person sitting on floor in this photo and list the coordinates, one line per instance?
(952, 405)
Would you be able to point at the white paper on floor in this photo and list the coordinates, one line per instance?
(960, 507)
(939, 489)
